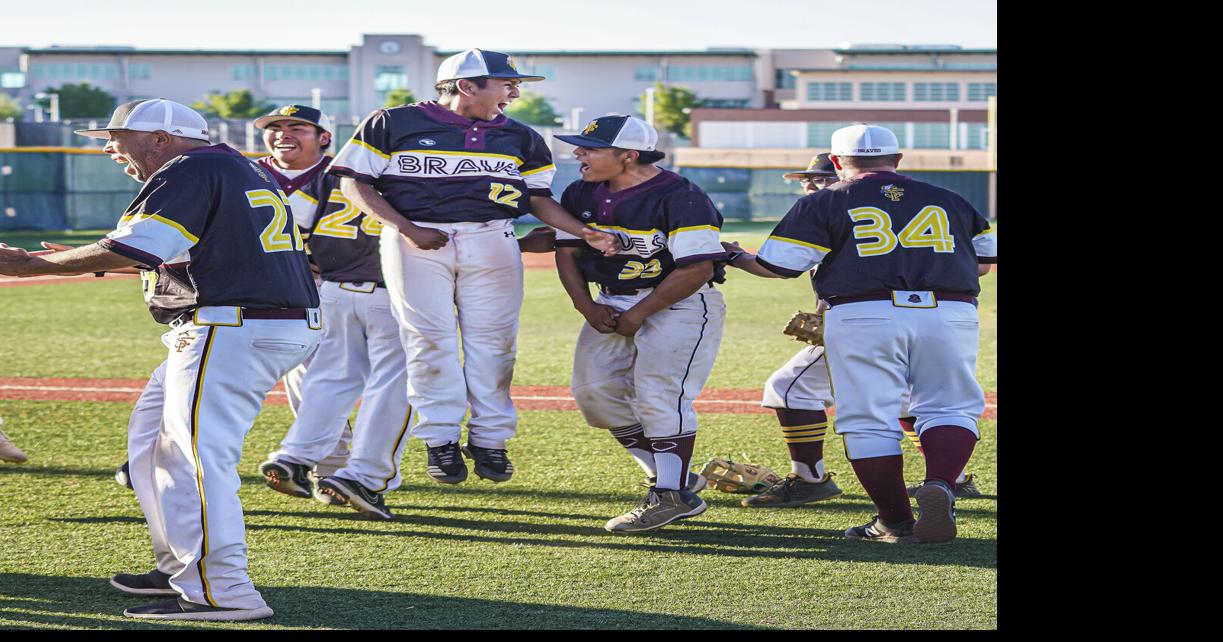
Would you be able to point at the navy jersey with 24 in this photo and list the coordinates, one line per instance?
(218, 224)
(882, 231)
(664, 223)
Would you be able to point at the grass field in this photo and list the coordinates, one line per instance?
(530, 553)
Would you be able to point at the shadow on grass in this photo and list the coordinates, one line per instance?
(88, 602)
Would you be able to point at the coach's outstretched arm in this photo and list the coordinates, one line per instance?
(551, 212)
(81, 260)
(680, 284)
(746, 261)
(369, 200)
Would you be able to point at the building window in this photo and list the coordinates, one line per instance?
(977, 136)
(645, 72)
(936, 92)
(882, 91)
(979, 92)
(709, 73)
(12, 79)
(138, 71)
(725, 103)
(830, 91)
(75, 71)
(301, 72)
(242, 72)
(388, 77)
(785, 79)
(931, 136)
(819, 135)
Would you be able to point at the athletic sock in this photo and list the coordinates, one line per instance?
(883, 479)
(949, 449)
(633, 439)
(672, 455)
(804, 432)
(961, 478)
(908, 425)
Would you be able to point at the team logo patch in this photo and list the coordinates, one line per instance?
(509, 60)
(427, 142)
(586, 214)
(913, 298)
(288, 111)
(892, 192)
(591, 127)
(184, 339)
(664, 446)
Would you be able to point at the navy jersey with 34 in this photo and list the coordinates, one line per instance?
(862, 233)
(223, 215)
(340, 239)
(434, 165)
(664, 223)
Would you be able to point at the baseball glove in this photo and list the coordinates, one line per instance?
(806, 327)
(733, 477)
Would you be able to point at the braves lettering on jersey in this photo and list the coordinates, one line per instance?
(663, 223)
(222, 215)
(341, 240)
(882, 231)
(434, 165)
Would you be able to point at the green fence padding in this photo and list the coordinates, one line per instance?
(718, 179)
(32, 210)
(30, 172)
(94, 173)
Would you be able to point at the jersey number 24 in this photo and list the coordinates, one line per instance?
(276, 236)
(929, 228)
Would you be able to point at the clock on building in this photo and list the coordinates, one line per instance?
(389, 47)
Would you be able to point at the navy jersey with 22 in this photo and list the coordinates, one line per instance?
(219, 225)
(664, 223)
(434, 165)
(882, 231)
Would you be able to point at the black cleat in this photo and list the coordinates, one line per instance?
(152, 583)
(446, 464)
(362, 499)
(183, 610)
(491, 463)
(876, 531)
(123, 477)
(286, 477)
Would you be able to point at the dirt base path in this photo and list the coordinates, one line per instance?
(724, 400)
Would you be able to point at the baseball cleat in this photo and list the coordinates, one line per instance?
(152, 583)
(123, 476)
(362, 500)
(9, 451)
(876, 531)
(491, 463)
(181, 609)
(446, 464)
(964, 489)
(936, 517)
(696, 483)
(660, 507)
(794, 491)
(319, 495)
(286, 477)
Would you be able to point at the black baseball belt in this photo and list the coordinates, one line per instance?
(886, 295)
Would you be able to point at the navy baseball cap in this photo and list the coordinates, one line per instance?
(475, 63)
(624, 132)
(296, 112)
(820, 165)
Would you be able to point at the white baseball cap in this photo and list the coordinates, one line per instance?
(864, 140)
(624, 132)
(157, 114)
(474, 63)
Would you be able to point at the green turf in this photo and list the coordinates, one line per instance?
(530, 553)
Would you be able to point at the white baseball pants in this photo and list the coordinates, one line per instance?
(653, 377)
(213, 384)
(360, 355)
(472, 286)
(876, 350)
(803, 384)
(293, 390)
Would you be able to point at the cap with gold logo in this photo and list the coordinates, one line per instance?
(300, 113)
(475, 63)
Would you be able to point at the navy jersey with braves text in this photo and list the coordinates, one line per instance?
(663, 223)
(340, 239)
(434, 165)
(882, 231)
(215, 222)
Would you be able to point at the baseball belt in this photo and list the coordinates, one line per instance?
(886, 295)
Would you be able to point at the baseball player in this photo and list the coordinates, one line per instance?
(224, 266)
(651, 337)
(799, 392)
(8, 450)
(899, 261)
(448, 178)
(360, 352)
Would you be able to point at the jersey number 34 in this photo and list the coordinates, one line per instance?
(276, 236)
(928, 229)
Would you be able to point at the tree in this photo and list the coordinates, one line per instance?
(397, 97)
(533, 109)
(10, 107)
(80, 101)
(233, 105)
(669, 105)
